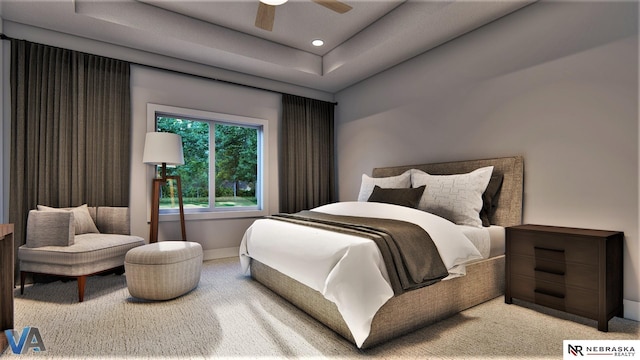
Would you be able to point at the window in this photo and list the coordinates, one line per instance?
(223, 169)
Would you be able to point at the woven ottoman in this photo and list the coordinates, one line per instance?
(163, 270)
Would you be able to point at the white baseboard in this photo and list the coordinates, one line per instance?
(221, 253)
(631, 309)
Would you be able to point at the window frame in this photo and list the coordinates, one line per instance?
(262, 193)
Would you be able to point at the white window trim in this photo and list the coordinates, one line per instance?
(263, 165)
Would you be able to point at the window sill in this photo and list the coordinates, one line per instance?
(213, 215)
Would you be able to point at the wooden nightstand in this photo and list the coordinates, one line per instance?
(578, 271)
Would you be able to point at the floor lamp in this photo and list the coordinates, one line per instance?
(161, 148)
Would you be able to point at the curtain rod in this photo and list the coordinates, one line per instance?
(5, 37)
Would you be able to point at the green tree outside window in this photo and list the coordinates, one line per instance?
(236, 158)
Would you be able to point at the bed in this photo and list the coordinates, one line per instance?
(482, 278)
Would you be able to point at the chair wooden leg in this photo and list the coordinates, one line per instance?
(81, 282)
(23, 275)
(120, 270)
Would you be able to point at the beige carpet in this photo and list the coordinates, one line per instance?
(231, 316)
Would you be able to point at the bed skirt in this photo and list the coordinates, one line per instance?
(401, 314)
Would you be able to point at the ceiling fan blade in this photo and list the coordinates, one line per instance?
(265, 16)
(334, 5)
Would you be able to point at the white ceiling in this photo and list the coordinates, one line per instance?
(373, 36)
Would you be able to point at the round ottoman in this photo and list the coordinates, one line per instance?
(163, 270)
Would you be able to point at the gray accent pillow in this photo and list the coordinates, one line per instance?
(50, 228)
(489, 199)
(403, 197)
(83, 221)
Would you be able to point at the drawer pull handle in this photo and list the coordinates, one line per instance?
(554, 272)
(549, 293)
(547, 249)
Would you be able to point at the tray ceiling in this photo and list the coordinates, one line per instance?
(373, 36)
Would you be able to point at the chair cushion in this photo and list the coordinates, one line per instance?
(86, 249)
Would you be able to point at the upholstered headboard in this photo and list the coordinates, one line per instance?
(509, 199)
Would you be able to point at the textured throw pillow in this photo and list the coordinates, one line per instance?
(457, 198)
(403, 197)
(488, 199)
(366, 186)
(83, 220)
(50, 228)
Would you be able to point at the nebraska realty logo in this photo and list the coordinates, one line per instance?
(29, 338)
(602, 349)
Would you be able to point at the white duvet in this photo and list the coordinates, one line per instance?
(348, 270)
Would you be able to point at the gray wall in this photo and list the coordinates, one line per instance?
(554, 82)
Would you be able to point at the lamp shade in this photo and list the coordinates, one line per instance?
(162, 147)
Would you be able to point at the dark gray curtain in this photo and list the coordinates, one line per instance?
(307, 170)
(70, 130)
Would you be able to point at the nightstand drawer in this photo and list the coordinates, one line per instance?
(579, 275)
(557, 296)
(555, 247)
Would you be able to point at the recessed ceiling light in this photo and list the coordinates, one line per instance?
(317, 42)
(273, 2)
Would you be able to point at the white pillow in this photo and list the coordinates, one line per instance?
(402, 181)
(457, 198)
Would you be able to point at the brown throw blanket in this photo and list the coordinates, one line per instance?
(411, 257)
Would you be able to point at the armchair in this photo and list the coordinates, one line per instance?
(76, 243)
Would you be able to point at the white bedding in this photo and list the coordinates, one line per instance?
(348, 270)
(488, 240)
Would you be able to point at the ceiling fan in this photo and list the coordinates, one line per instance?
(267, 10)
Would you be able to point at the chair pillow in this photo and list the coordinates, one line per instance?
(83, 221)
(50, 228)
